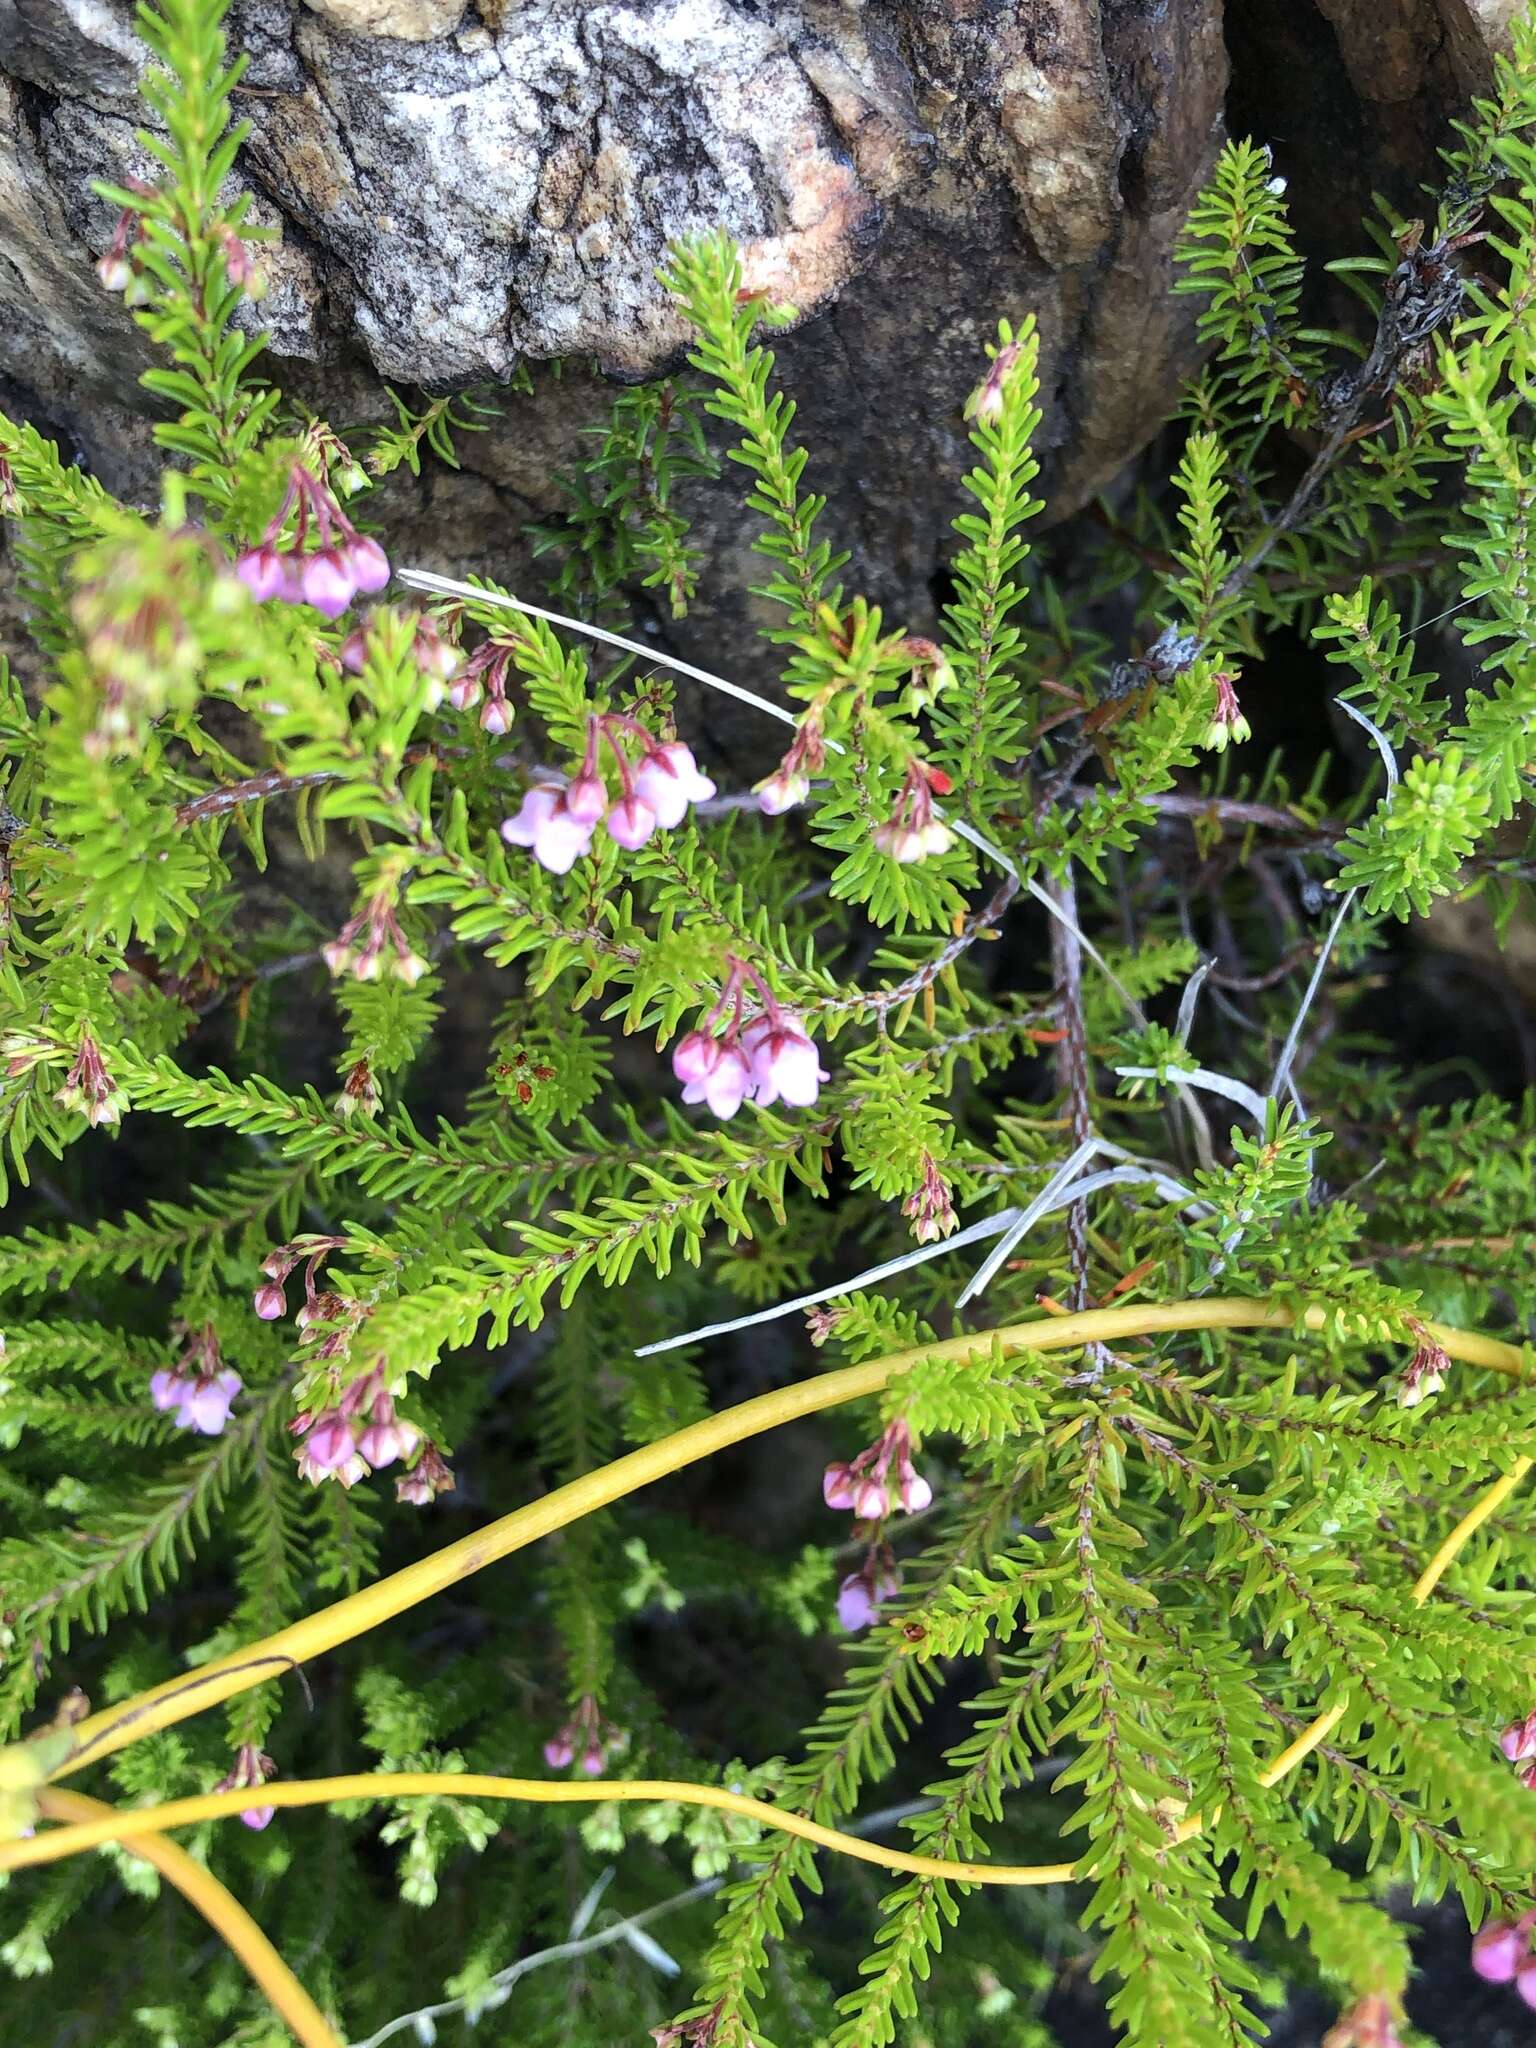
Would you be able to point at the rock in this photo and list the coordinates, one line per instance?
(460, 190)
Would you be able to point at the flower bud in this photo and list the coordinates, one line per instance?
(270, 1302)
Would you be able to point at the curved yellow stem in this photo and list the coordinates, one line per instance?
(109, 1825)
(103, 1824)
(176, 1700)
(141, 1822)
(224, 1914)
(1486, 1504)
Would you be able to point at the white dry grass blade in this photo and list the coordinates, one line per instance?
(973, 1233)
(1286, 1061)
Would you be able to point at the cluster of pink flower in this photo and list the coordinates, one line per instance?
(89, 1088)
(1501, 1954)
(790, 782)
(766, 1060)
(586, 1739)
(912, 832)
(1423, 1375)
(482, 680)
(371, 942)
(930, 1208)
(359, 1435)
(330, 576)
(252, 1769)
(270, 1301)
(198, 1387)
(880, 1481)
(1227, 721)
(120, 269)
(557, 822)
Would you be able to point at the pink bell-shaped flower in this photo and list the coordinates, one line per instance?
(785, 1063)
(1498, 1951)
(268, 574)
(205, 1404)
(669, 781)
(270, 1302)
(727, 1083)
(631, 822)
(545, 824)
(167, 1390)
(781, 791)
(329, 1442)
(327, 582)
(368, 563)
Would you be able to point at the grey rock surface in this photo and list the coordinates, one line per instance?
(457, 190)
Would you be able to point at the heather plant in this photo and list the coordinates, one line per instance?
(1159, 1542)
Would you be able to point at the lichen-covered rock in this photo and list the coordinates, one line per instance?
(459, 189)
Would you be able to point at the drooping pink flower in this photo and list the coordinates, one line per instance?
(930, 1207)
(268, 574)
(631, 822)
(912, 832)
(89, 1089)
(545, 824)
(784, 1062)
(879, 1480)
(252, 1769)
(427, 1478)
(367, 563)
(899, 842)
(326, 582)
(781, 791)
(329, 1441)
(386, 1439)
(205, 1405)
(280, 567)
(269, 1301)
(1498, 1951)
(1423, 1375)
(1518, 1740)
(861, 1594)
(586, 1739)
(166, 1390)
(871, 1502)
(727, 1083)
(987, 400)
(1525, 1982)
(669, 780)
(838, 1485)
(586, 796)
(1227, 721)
(790, 782)
(694, 1057)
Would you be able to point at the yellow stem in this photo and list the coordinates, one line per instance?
(140, 1822)
(177, 1699)
(109, 1825)
(1489, 1503)
(224, 1914)
(89, 1824)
